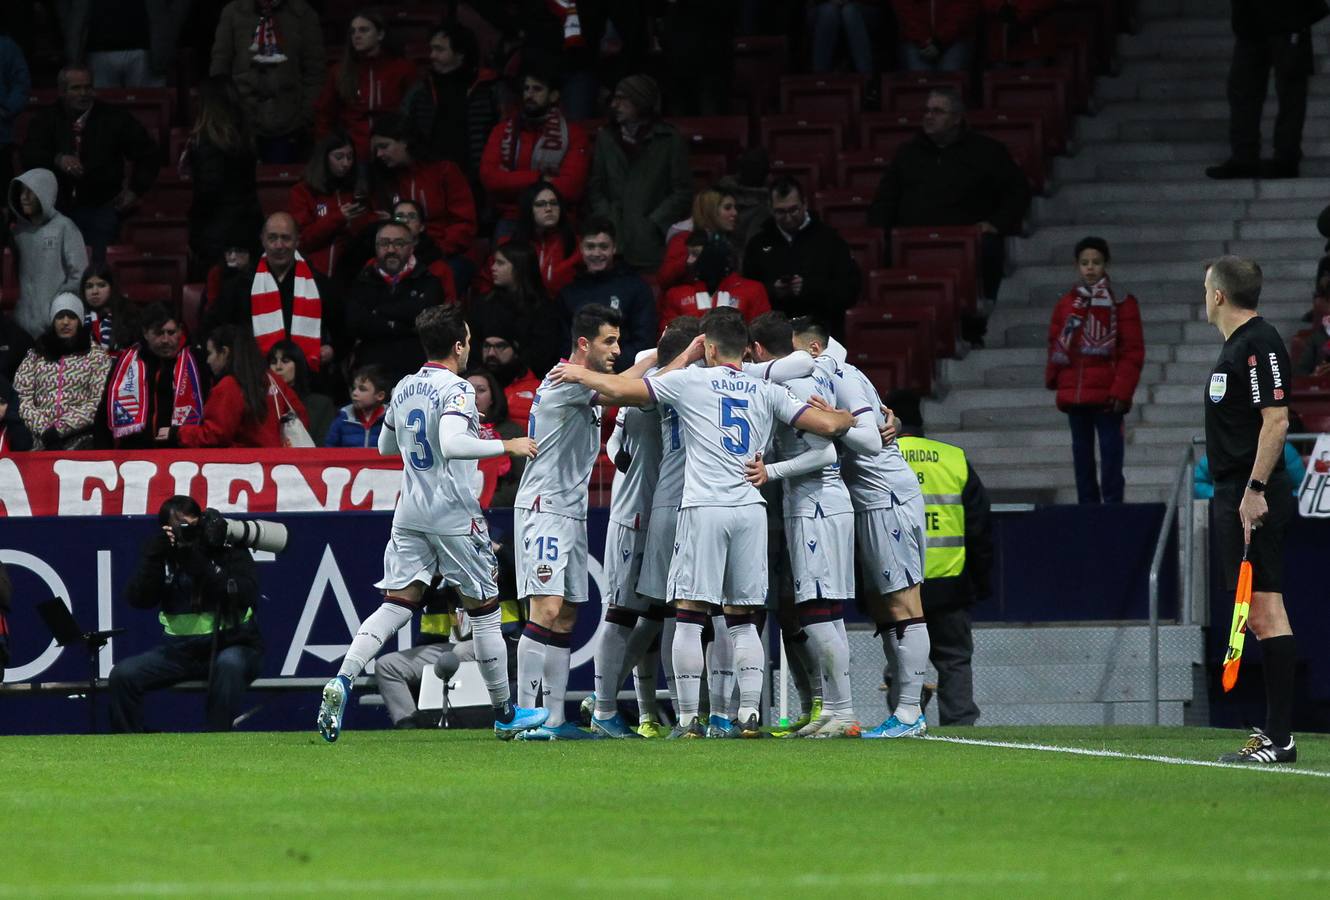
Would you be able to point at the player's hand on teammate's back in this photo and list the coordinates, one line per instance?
(567, 373)
(888, 428)
(755, 471)
(520, 448)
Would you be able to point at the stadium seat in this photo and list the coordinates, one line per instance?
(861, 170)
(151, 106)
(842, 209)
(1023, 135)
(130, 266)
(1094, 19)
(835, 97)
(169, 197)
(8, 279)
(807, 172)
(907, 94)
(274, 184)
(411, 26)
(866, 247)
(884, 133)
(797, 137)
(1312, 406)
(714, 134)
(903, 289)
(708, 168)
(143, 294)
(759, 61)
(1073, 55)
(873, 332)
(1039, 91)
(191, 307)
(158, 235)
(952, 248)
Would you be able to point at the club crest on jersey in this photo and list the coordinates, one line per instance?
(1218, 386)
(896, 534)
(544, 572)
(812, 546)
(626, 554)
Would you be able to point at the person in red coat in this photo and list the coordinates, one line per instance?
(715, 211)
(715, 283)
(936, 35)
(246, 405)
(366, 82)
(543, 223)
(439, 188)
(1095, 354)
(326, 204)
(534, 144)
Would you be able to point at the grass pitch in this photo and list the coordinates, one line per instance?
(440, 813)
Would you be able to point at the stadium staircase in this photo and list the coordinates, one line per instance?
(1136, 177)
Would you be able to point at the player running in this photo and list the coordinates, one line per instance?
(720, 557)
(438, 530)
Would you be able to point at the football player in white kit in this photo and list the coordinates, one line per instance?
(438, 529)
(720, 554)
(889, 527)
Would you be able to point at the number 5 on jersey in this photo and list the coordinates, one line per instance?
(731, 417)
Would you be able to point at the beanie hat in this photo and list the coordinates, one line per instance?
(66, 302)
(642, 92)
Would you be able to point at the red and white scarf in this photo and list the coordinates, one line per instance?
(393, 280)
(267, 43)
(99, 328)
(1092, 327)
(551, 144)
(127, 397)
(566, 12)
(265, 305)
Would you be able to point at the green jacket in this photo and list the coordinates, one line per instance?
(279, 97)
(642, 196)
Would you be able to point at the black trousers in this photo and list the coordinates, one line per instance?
(952, 646)
(239, 658)
(1290, 57)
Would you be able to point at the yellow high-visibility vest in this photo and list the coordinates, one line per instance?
(942, 472)
(441, 624)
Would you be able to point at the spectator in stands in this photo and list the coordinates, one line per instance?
(157, 383)
(500, 354)
(50, 249)
(273, 49)
(805, 266)
(715, 212)
(500, 484)
(1095, 353)
(698, 40)
(129, 45)
(640, 178)
(603, 278)
(1268, 34)
(519, 297)
(14, 345)
(440, 188)
(713, 282)
(14, 434)
(242, 247)
(534, 144)
(330, 204)
(936, 35)
(359, 422)
(15, 83)
(368, 80)
(544, 223)
(247, 402)
(951, 175)
(110, 320)
(60, 381)
(206, 592)
(1309, 350)
(748, 187)
(88, 145)
(281, 282)
(858, 20)
(384, 301)
(455, 106)
(220, 159)
(428, 254)
(288, 363)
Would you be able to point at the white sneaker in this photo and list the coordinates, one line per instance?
(814, 726)
(840, 728)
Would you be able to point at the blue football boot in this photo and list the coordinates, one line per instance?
(335, 695)
(895, 728)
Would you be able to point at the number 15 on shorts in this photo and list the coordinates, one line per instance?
(547, 548)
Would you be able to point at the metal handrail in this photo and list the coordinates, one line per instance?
(1181, 483)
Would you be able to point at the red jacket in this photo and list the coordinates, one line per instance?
(504, 184)
(324, 231)
(557, 270)
(748, 296)
(1095, 380)
(943, 21)
(519, 395)
(674, 267)
(383, 83)
(226, 425)
(445, 201)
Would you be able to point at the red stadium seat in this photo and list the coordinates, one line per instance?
(1023, 135)
(797, 137)
(759, 61)
(168, 198)
(708, 168)
(902, 289)
(132, 267)
(152, 292)
(953, 248)
(151, 106)
(807, 172)
(191, 307)
(1311, 384)
(835, 97)
(1042, 92)
(866, 247)
(1313, 407)
(907, 94)
(883, 134)
(714, 134)
(1073, 54)
(861, 170)
(842, 209)
(873, 330)
(158, 235)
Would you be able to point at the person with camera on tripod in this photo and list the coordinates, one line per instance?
(206, 588)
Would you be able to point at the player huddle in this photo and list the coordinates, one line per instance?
(720, 410)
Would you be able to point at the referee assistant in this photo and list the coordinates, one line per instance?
(1246, 418)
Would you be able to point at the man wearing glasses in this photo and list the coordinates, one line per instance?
(500, 353)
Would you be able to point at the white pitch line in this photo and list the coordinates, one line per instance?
(1278, 769)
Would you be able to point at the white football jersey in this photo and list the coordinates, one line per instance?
(725, 416)
(565, 424)
(884, 479)
(438, 493)
(632, 492)
(821, 492)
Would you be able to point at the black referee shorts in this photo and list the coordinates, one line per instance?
(1267, 542)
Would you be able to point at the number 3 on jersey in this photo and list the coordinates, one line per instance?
(422, 455)
(731, 417)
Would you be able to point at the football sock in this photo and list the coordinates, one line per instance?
(833, 656)
(687, 652)
(667, 656)
(1280, 655)
(750, 662)
(644, 635)
(803, 668)
(557, 656)
(531, 663)
(720, 668)
(372, 634)
(909, 641)
(610, 653)
(644, 683)
(491, 650)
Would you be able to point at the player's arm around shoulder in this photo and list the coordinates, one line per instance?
(820, 417)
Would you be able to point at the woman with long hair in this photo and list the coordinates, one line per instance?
(288, 363)
(61, 380)
(247, 402)
(221, 159)
(715, 211)
(110, 319)
(368, 80)
(519, 296)
(329, 204)
(544, 224)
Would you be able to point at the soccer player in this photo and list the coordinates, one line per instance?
(726, 416)
(889, 527)
(438, 529)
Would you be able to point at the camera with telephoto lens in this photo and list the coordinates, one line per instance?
(255, 534)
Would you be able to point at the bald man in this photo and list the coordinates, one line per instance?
(280, 281)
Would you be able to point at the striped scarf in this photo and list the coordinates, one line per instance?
(551, 144)
(265, 304)
(566, 12)
(127, 396)
(267, 43)
(99, 329)
(1092, 327)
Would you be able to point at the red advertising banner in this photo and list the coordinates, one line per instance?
(236, 481)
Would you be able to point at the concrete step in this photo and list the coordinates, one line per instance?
(1017, 456)
(1317, 167)
(1182, 127)
(1043, 416)
(1043, 475)
(1134, 493)
(1033, 437)
(1191, 271)
(1199, 353)
(1161, 435)
(1038, 250)
(1181, 394)
(1188, 372)
(1036, 335)
(1133, 87)
(1152, 45)
(1026, 376)
(1190, 415)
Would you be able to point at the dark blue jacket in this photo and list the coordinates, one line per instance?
(349, 431)
(618, 288)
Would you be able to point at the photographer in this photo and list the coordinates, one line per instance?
(206, 590)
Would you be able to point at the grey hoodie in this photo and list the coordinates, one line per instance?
(51, 252)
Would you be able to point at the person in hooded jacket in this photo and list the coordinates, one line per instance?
(50, 249)
(61, 380)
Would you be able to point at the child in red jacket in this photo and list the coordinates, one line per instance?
(1095, 354)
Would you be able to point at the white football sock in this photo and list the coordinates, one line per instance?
(370, 637)
(530, 666)
(750, 664)
(687, 653)
(609, 659)
(911, 645)
(833, 654)
(556, 682)
(491, 654)
(720, 668)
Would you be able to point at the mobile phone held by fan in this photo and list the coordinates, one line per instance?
(1237, 634)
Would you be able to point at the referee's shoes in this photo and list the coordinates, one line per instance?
(1260, 750)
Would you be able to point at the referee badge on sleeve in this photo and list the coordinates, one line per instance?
(1218, 386)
